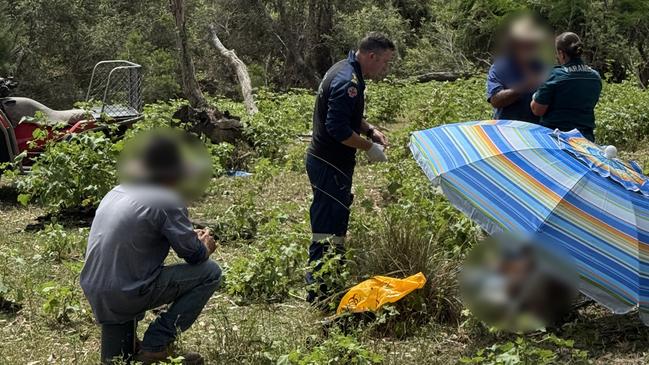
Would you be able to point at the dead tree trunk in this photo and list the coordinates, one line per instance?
(240, 69)
(319, 23)
(203, 118)
(190, 86)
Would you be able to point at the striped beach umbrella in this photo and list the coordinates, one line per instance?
(574, 197)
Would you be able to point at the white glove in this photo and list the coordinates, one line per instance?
(376, 154)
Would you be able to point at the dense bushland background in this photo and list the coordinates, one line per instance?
(51, 45)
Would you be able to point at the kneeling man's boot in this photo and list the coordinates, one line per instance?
(148, 358)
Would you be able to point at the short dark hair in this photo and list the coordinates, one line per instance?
(162, 159)
(570, 44)
(375, 42)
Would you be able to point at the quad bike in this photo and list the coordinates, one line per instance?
(114, 97)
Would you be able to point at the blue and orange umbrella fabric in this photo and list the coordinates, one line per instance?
(574, 196)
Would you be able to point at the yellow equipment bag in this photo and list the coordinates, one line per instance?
(373, 293)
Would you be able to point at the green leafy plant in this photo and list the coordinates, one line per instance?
(549, 350)
(337, 349)
(61, 301)
(332, 271)
(272, 268)
(281, 118)
(384, 101)
(74, 173)
(59, 244)
(621, 116)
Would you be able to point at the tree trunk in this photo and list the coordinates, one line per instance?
(203, 118)
(241, 70)
(190, 86)
(289, 29)
(319, 23)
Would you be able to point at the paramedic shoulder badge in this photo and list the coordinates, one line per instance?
(352, 91)
(354, 79)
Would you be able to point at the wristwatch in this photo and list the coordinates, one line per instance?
(370, 132)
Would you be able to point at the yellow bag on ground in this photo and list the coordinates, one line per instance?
(373, 293)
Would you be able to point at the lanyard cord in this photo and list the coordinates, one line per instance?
(324, 192)
(330, 164)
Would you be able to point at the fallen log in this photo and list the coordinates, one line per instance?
(219, 127)
(441, 76)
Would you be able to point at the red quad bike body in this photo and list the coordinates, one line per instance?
(115, 94)
(24, 132)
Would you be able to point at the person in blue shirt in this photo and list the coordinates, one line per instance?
(515, 75)
(568, 98)
(338, 130)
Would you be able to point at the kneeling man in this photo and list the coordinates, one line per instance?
(135, 226)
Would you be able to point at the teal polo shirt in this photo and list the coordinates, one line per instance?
(571, 92)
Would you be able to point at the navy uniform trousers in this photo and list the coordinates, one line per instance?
(330, 209)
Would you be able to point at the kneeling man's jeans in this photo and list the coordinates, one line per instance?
(187, 288)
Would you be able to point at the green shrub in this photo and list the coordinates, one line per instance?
(384, 101)
(61, 301)
(159, 67)
(240, 220)
(221, 156)
(337, 349)
(281, 119)
(59, 244)
(622, 118)
(272, 268)
(73, 173)
(333, 272)
(350, 28)
(549, 350)
(438, 103)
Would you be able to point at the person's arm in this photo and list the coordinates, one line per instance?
(339, 113)
(341, 105)
(373, 133)
(504, 98)
(538, 109)
(178, 229)
(498, 94)
(358, 142)
(543, 97)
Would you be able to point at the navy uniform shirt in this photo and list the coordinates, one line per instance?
(338, 113)
(571, 93)
(505, 73)
(131, 234)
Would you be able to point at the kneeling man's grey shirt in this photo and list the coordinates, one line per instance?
(130, 237)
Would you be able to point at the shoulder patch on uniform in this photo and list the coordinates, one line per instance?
(354, 78)
(352, 91)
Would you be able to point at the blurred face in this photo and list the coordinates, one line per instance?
(376, 65)
(525, 51)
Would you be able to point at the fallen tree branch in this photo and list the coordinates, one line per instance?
(441, 76)
(240, 69)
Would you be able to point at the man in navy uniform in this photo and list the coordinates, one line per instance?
(338, 127)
